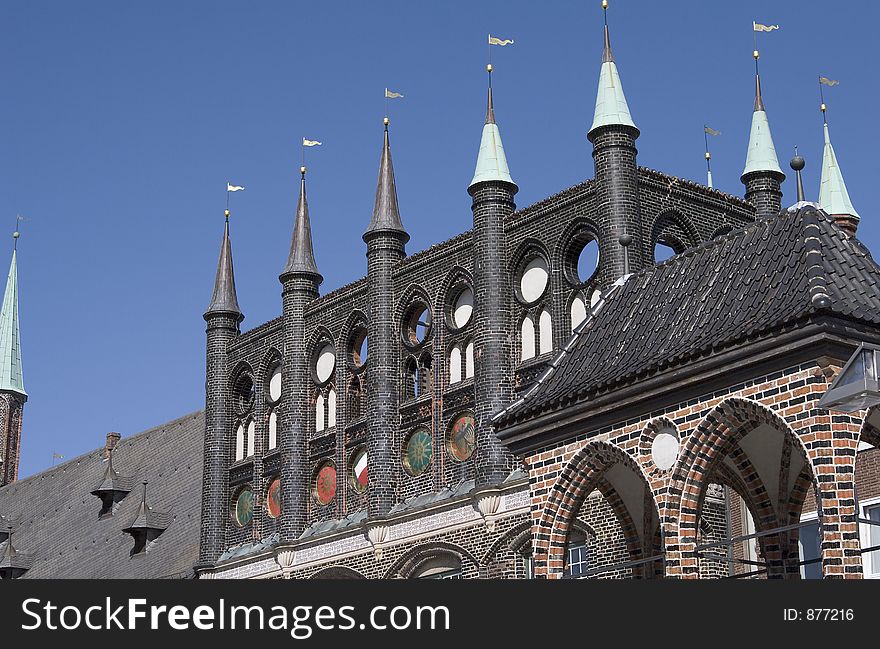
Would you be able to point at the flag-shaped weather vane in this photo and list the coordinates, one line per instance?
(707, 131)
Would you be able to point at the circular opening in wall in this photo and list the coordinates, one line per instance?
(325, 362)
(243, 506)
(462, 307)
(418, 451)
(359, 347)
(275, 383)
(533, 279)
(244, 393)
(417, 324)
(581, 257)
(462, 438)
(358, 477)
(325, 483)
(273, 498)
(664, 448)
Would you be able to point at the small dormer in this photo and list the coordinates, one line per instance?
(13, 564)
(113, 487)
(147, 526)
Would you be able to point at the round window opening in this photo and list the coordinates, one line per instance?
(418, 452)
(325, 363)
(462, 307)
(417, 325)
(358, 477)
(273, 498)
(243, 507)
(359, 347)
(588, 261)
(462, 439)
(275, 383)
(664, 449)
(325, 484)
(533, 281)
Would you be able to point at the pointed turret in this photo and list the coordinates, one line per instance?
(762, 174)
(12, 394)
(833, 197)
(611, 106)
(301, 258)
(10, 346)
(613, 135)
(386, 213)
(491, 161)
(224, 299)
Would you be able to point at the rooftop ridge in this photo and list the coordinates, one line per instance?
(699, 187)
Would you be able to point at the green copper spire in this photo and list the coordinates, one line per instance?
(761, 155)
(10, 339)
(611, 106)
(491, 161)
(833, 197)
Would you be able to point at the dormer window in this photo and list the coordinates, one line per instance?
(112, 488)
(147, 526)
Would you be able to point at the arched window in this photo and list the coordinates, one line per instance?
(353, 401)
(273, 430)
(527, 338)
(545, 329)
(239, 442)
(331, 408)
(442, 567)
(424, 376)
(410, 386)
(251, 437)
(578, 311)
(455, 365)
(319, 413)
(469, 360)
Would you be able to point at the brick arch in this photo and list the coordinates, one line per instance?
(337, 572)
(717, 436)
(677, 230)
(568, 246)
(355, 320)
(869, 433)
(512, 540)
(584, 473)
(410, 561)
(456, 276)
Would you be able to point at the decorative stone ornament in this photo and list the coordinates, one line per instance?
(285, 558)
(378, 536)
(488, 505)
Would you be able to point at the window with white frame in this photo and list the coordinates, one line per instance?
(870, 538)
(576, 557)
(810, 548)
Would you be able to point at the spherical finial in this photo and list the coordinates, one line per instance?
(226, 213)
(489, 67)
(302, 170)
(823, 107)
(625, 240)
(708, 156)
(386, 121)
(16, 234)
(798, 163)
(604, 4)
(755, 54)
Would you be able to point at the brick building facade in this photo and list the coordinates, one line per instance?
(544, 395)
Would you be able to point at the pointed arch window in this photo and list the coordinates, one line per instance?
(239, 442)
(469, 360)
(273, 430)
(545, 330)
(527, 338)
(319, 413)
(578, 311)
(354, 399)
(331, 408)
(455, 365)
(251, 438)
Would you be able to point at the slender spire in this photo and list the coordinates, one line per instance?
(491, 159)
(301, 258)
(797, 164)
(386, 213)
(224, 299)
(761, 154)
(10, 338)
(611, 107)
(833, 197)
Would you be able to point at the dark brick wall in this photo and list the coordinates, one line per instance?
(11, 412)
(764, 191)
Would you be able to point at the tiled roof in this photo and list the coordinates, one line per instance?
(742, 285)
(55, 517)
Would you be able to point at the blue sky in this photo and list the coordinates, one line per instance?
(121, 123)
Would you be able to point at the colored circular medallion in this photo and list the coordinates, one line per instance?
(418, 452)
(273, 498)
(359, 478)
(325, 484)
(462, 438)
(244, 507)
